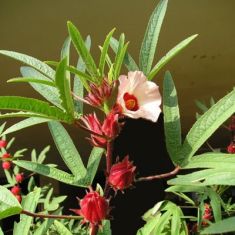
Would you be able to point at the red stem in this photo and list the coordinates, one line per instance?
(38, 215)
(109, 151)
(154, 177)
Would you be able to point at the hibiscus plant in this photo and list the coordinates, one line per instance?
(114, 96)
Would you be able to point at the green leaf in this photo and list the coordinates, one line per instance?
(50, 172)
(220, 176)
(24, 124)
(42, 155)
(29, 203)
(67, 150)
(223, 226)
(201, 106)
(106, 228)
(44, 227)
(1, 232)
(93, 164)
(9, 205)
(215, 202)
(150, 40)
(61, 229)
(48, 92)
(80, 46)
(206, 125)
(172, 124)
(128, 60)
(65, 51)
(29, 60)
(212, 160)
(2, 127)
(170, 55)
(78, 81)
(63, 84)
(32, 80)
(104, 52)
(35, 106)
(122, 47)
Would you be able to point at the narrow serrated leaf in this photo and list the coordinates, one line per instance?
(104, 52)
(33, 62)
(150, 40)
(9, 205)
(35, 106)
(24, 124)
(128, 60)
(206, 125)
(63, 84)
(170, 55)
(80, 46)
(29, 203)
(48, 92)
(67, 150)
(172, 124)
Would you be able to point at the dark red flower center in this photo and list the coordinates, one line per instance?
(131, 102)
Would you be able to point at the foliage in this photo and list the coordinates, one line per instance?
(206, 177)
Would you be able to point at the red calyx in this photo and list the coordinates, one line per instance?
(122, 174)
(94, 208)
(16, 190)
(3, 143)
(99, 94)
(110, 126)
(19, 177)
(231, 148)
(6, 165)
(6, 155)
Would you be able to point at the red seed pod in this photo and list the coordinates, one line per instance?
(94, 208)
(6, 165)
(19, 198)
(16, 190)
(6, 155)
(19, 177)
(3, 143)
(231, 148)
(122, 174)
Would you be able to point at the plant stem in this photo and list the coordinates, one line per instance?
(154, 177)
(94, 229)
(109, 151)
(39, 215)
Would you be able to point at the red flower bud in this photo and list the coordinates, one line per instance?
(99, 94)
(19, 198)
(16, 190)
(3, 143)
(122, 174)
(19, 177)
(6, 155)
(6, 165)
(231, 148)
(94, 208)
